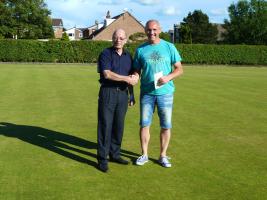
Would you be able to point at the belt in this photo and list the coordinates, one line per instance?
(117, 88)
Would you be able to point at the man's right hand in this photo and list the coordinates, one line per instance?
(132, 79)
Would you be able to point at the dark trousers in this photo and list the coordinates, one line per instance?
(112, 107)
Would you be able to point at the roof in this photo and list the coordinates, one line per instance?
(57, 22)
(96, 32)
(116, 17)
(74, 28)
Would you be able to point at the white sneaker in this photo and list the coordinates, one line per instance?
(142, 160)
(164, 161)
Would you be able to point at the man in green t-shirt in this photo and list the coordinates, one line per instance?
(158, 63)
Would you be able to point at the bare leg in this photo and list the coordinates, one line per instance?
(144, 138)
(165, 135)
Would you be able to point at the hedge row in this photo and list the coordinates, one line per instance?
(88, 51)
(224, 54)
(51, 51)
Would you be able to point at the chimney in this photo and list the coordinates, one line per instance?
(108, 15)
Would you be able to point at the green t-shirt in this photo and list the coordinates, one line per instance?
(153, 60)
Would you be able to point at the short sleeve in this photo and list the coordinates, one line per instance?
(104, 61)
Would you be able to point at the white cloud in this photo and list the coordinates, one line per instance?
(218, 12)
(73, 12)
(169, 11)
(69, 5)
(83, 13)
(112, 2)
(148, 2)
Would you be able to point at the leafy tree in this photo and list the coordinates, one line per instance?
(25, 19)
(202, 31)
(165, 36)
(248, 22)
(6, 21)
(65, 37)
(138, 37)
(185, 34)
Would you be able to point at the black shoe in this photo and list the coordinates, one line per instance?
(119, 160)
(103, 167)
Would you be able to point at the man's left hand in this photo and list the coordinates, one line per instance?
(162, 80)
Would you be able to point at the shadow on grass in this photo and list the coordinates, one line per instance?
(57, 142)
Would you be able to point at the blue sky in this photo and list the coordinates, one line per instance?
(83, 13)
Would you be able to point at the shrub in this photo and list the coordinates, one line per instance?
(87, 52)
(223, 54)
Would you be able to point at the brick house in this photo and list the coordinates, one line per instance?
(125, 21)
(74, 33)
(91, 29)
(57, 25)
(221, 31)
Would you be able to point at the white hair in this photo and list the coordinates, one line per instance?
(152, 20)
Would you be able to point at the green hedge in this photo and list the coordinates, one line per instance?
(88, 51)
(51, 51)
(220, 54)
(223, 54)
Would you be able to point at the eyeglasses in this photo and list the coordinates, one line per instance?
(118, 38)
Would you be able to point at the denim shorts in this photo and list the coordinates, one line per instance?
(164, 107)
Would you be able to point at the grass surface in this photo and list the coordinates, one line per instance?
(48, 119)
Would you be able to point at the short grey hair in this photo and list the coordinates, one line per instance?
(153, 20)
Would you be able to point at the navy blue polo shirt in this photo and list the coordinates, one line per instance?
(109, 59)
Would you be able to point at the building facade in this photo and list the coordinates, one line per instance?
(126, 21)
(74, 33)
(57, 25)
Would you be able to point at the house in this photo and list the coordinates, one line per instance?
(125, 21)
(57, 25)
(74, 33)
(221, 32)
(89, 30)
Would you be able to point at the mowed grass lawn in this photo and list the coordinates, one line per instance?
(48, 116)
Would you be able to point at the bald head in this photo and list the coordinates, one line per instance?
(119, 38)
(117, 32)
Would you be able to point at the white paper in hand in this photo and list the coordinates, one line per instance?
(157, 76)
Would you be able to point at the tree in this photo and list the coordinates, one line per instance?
(25, 19)
(165, 36)
(137, 37)
(202, 31)
(248, 22)
(6, 21)
(65, 37)
(185, 34)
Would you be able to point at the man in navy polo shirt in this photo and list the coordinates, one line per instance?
(115, 67)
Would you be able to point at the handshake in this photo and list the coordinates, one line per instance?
(133, 79)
